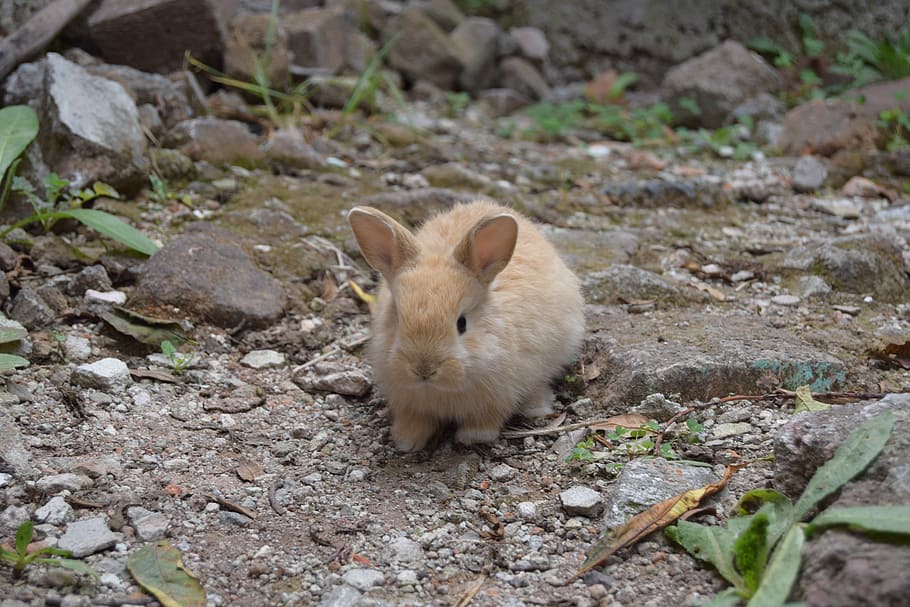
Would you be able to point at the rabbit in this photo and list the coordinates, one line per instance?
(475, 315)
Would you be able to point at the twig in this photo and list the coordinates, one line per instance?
(333, 351)
(465, 599)
(820, 396)
(231, 506)
(273, 497)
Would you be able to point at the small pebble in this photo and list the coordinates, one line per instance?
(786, 300)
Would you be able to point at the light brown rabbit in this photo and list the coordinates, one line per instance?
(475, 315)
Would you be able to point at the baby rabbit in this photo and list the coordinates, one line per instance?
(475, 315)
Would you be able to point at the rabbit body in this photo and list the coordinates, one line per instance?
(475, 316)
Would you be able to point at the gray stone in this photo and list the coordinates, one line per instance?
(502, 101)
(152, 35)
(404, 550)
(839, 207)
(234, 518)
(695, 192)
(341, 596)
(423, 50)
(718, 81)
(445, 13)
(88, 536)
(785, 300)
(13, 453)
(55, 512)
(363, 579)
(11, 517)
(317, 39)
(581, 501)
(263, 359)
(657, 407)
(809, 174)
(502, 472)
(107, 374)
(527, 511)
(521, 76)
(67, 481)
(531, 42)
(216, 141)
(245, 50)
(150, 526)
(826, 127)
(841, 568)
(645, 482)
(858, 264)
(351, 382)
(702, 356)
(90, 128)
(762, 107)
(31, 310)
(5, 479)
(813, 286)
(728, 429)
(621, 283)
(476, 41)
(287, 148)
(92, 277)
(189, 273)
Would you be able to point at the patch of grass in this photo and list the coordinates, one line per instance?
(179, 361)
(867, 60)
(896, 125)
(582, 451)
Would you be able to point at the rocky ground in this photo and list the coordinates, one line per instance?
(260, 449)
(267, 461)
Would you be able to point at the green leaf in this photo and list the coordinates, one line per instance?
(690, 105)
(726, 598)
(143, 328)
(102, 189)
(11, 334)
(9, 362)
(851, 458)
(158, 569)
(18, 127)
(875, 519)
(805, 402)
(113, 227)
(751, 550)
(71, 564)
(712, 544)
(622, 82)
(781, 571)
(8, 555)
(775, 505)
(24, 537)
(54, 186)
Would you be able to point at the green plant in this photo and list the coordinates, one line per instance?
(582, 450)
(11, 334)
(369, 81)
(896, 124)
(58, 193)
(866, 60)
(556, 119)
(758, 551)
(162, 192)
(457, 102)
(179, 362)
(22, 558)
(805, 74)
(636, 125)
(18, 128)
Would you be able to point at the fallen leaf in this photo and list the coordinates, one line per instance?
(893, 354)
(159, 570)
(645, 523)
(713, 292)
(158, 374)
(248, 470)
(145, 329)
(600, 88)
(632, 421)
(363, 295)
(805, 402)
(362, 560)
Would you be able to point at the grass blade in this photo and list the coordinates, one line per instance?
(875, 519)
(18, 127)
(113, 227)
(781, 572)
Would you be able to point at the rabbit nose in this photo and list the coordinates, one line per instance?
(425, 370)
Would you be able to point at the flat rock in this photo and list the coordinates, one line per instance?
(55, 512)
(30, 309)
(341, 596)
(263, 359)
(699, 357)
(317, 38)
(88, 536)
(363, 579)
(839, 207)
(666, 192)
(840, 568)
(107, 374)
(350, 382)
(191, 272)
(216, 141)
(13, 453)
(645, 482)
(825, 128)
(404, 550)
(623, 283)
(287, 148)
(149, 526)
(66, 481)
(581, 501)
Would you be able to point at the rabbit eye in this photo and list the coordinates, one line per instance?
(462, 324)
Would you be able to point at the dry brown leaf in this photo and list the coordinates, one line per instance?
(644, 523)
(626, 420)
(249, 470)
(715, 293)
(893, 354)
(153, 374)
(599, 88)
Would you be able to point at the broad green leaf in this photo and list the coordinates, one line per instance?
(805, 402)
(875, 519)
(8, 362)
(71, 564)
(24, 537)
(113, 227)
(142, 329)
(158, 569)
(712, 544)
(8, 555)
(726, 598)
(51, 550)
(781, 571)
(102, 189)
(18, 127)
(751, 551)
(775, 505)
(851, 458)
(9, 334)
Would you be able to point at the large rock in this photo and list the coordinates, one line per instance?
(207, 275)
(423, 51)
(155, 35)
(826, 128)
(520, 75)
(623, 283)
(864, 264)
(477, 39)
(317, 38)
(700, 356)
(89, 125)
(216, 141)
(875, 98)
(718, 81)
(841, 568)
(247, 41)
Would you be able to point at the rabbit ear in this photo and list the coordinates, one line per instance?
(386, 244)
(488, 247)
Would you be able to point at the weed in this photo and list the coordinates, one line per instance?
(22, 558)
(896, 124)
(557, 119)
(803, 75)
(179, 362)
(457, 102)
(11, 334)
(162, 193)
(582, 451)
(866, 60)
